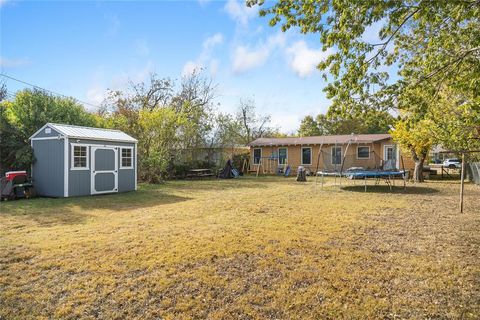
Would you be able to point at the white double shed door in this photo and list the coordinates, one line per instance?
(104, 169)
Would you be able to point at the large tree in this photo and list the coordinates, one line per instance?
(330, 123)
(456, 121)
(251, 124)
(28, 111)
(171, 120)
(242, 127)
(432, 44)
(309, 127)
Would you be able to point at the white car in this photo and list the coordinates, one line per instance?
(452, 163)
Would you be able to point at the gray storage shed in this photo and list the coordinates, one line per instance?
(78, 161)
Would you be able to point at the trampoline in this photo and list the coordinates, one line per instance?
(388, 176)
(374, 174)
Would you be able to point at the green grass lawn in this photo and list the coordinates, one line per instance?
(251, 248)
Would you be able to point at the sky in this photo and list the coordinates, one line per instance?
(83, 48)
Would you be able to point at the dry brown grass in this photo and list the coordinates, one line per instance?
(266, 248)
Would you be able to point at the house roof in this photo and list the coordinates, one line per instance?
(339, 139)
(80, 132)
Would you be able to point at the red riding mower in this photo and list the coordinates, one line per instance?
(16, 185)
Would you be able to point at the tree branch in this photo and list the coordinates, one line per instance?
(385, 43)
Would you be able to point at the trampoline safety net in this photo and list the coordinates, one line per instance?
(362, 159)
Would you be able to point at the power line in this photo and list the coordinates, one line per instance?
(10, 94)
(43, 89)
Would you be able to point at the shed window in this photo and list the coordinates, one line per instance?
(363, 152)
(257, 155)
(80, 157)
(336, 155)
(307, 156)
(126, 158)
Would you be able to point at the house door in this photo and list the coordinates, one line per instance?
(389, 157)
(104, 170)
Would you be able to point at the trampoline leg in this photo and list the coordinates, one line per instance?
(365, 184)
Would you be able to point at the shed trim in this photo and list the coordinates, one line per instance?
(31, 164)
(97, 145)
(72, 154)
(100, 139)
(39, 130)
(121, 158)
(136, 168)
(94, 172)
(47, 138)
(65, 167)
(58, 128)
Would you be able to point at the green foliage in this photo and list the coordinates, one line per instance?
(330, 124)
(425, 39)
(243, 127)
(157, 140)
(309, 127)
(456, 122)
(31, 109)
(156, 132)
(167, 121)
(22, 117)
(227, 131)
(171, 123)
(14, 153)
(252, 125)
(414, 136)
(434, 45)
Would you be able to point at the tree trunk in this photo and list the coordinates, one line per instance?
(418, 172)
(419, 161)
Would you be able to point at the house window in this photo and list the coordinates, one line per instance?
(282, 155)
(336, 155)
(307, 156)
(80, 157)
(257, 155)
(363, 152)
(126, 158)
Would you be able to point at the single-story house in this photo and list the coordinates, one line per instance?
(328, 153)
(78, 161)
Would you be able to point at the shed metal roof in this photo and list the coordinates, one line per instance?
(339, 139)
(80, 132)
